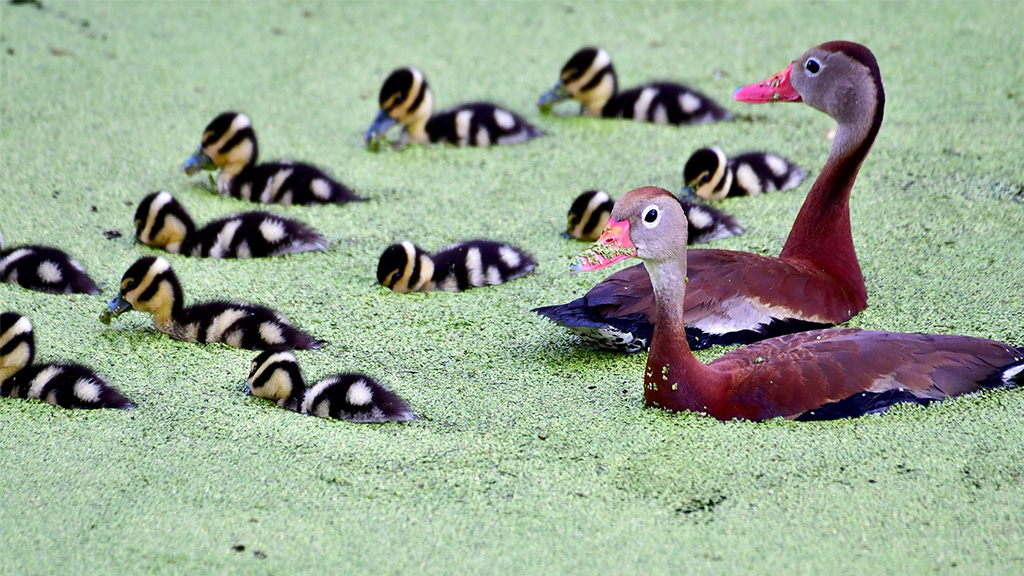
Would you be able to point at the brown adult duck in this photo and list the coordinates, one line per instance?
(815, 375)
(739, 297)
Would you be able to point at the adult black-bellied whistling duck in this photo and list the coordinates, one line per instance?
(739, 297)
(815, 375)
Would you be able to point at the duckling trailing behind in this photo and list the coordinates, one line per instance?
(406, 99)
(151, 286)
(275, 375)
(229, 143)
(589, 77)
(63, 384)
(711, 176)
(405, 267)
(589, 214)
(162, 222)
(44, 269)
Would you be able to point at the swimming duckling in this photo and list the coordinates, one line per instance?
(275, 375)
(151, 286)
(589, 214)
(162, 222)
(44, 269)
(63, 384)
(406, 99)
(229, 143)
(590, 78)
(406, 267)
(709, 175)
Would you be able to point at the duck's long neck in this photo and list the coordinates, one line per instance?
(674, 379)
(821, 233)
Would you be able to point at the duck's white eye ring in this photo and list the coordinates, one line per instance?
(651, 215)
(813, 67)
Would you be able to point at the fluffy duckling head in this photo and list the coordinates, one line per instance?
(151, 286)
(405, 98)
(588, 215)
(705, 175)
(228, 143)
(405, 267)
(17, 344)
(275, 375)
(162, 222)
(588, 77)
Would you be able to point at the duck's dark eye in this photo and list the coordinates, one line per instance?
(651, 215)
(704, 179)
(131, 284)
(812, 66)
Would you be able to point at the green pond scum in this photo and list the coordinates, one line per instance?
(533, 454)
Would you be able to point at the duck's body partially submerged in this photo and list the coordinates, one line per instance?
(406, 99)
(405, 267)
(589, 77)
(739, 297)
(589, 213)
(711, 176)
(275, 375)
(820, 374)
(229, 143)
(162, 222)
(63, 384)
(44, 269)
(151, 286)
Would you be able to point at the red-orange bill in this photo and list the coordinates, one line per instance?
(613, 245)
(778, 88)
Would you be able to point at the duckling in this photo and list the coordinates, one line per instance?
(162, 222)
(151, 286)
(44, 269)
(589, 214)
(709, 175)
(229, 143)
(275, 375)
(63, 384)
(405, 267)
(406, 98)
(590, 78)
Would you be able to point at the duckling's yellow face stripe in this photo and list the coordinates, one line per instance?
(402, 284)
(20, 357)
(171, 235)
(161, 302)
(239, 155)
(275, 385)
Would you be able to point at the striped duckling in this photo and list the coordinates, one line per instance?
(229, 143)
(405, 267)
(711, 176)
(275, 375)
(44, 269)
(589, 77)
(589, 214)
(162, 222)
(63, 384)
(151, 286)
(406, 99)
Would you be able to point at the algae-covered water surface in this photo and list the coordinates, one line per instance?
(533, 454)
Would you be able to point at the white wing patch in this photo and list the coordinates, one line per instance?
(777, 165)
(221, 322)
(474, 267)
(689, 103)
(273, 230)
(747, 179)
(700, 218)
(271, 333)
(36, 385)
(50, 272)
(504, 119)
(643, 102)
(320, 188)
(87, 390)
(510, 257)
(359, 393)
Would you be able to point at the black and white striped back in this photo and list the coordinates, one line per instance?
(665, 103)
(44, 269)
(480, 124)
(356, 398)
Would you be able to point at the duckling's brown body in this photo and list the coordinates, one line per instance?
(275, 375)
(590, 78)
(229, 143)
(151, 286)
(162, 222)
(405, 267)
(63, 384)
(405, 98)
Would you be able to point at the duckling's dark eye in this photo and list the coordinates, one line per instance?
(651, 216)
(704, 179)
(252, 369)
(131, 284)
(812, 66)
